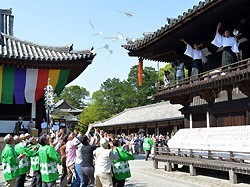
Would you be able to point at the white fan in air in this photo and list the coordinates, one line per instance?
(235, 32)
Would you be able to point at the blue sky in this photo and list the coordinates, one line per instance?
(61, 22)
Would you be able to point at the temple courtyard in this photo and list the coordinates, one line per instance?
(143, 175)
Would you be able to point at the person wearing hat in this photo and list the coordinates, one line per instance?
(103, 161)
(10, 162)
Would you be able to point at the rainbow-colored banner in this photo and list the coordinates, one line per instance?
(18, 85)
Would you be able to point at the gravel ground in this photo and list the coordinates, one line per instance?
(204, 178)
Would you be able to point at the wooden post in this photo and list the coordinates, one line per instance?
(209, 154)
(191, 153)
(192, 170)
(155, 163)
(190, 121)
(232, 176)
(231, 156)
(168, 166)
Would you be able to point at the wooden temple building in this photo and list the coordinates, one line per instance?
(24, 71)
(220, 96)
(159, 118)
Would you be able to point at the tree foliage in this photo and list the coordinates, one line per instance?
(114, 95)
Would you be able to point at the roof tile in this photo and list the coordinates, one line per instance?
(149, 113)
(12, 47)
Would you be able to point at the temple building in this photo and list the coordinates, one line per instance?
(25, 68)
(159, 118)
(220, 95)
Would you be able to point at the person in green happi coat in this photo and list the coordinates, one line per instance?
(10, 162)
(147, 145)
(48, 160)
(120, 166)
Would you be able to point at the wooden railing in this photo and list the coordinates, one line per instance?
(231, 156)
(236, 67)
(232, 161)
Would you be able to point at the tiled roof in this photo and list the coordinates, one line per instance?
(69, 109)
(149, 113)
(172, 23)
(11, 47)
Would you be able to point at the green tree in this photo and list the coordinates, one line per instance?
(148, 87)
(114, 96)
(74, 95)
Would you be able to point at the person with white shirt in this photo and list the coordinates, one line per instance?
(167, 78)
(44, 126)
(103, 161)
(229, 44)
(197, 56)
(179, 75)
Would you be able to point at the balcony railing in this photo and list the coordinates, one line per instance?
(226, 75)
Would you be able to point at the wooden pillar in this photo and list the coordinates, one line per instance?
(186, 121)
(229, 93)
(247, 117)
(192, 170)
(190, 121)
(40, 113)
(168, 166)
(232, 176)
(208, 119)
(33, 110)
(155, 164)
(156, 129)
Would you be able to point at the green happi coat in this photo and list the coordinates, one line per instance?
(35, 158)
(147, 144)
(120, 166)
(10, 163)
(24, 163)
(48, 159)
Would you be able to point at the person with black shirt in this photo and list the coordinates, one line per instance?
(21, 126)
(87, 164)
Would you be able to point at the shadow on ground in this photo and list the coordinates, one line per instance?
(135, 184)
(241, 178)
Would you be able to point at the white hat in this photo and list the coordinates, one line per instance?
(26, 134)
(104, 143)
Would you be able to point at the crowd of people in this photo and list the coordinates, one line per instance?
(229, 44)
(94, 158)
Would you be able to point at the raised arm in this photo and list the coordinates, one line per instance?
(182, 40)
(218, 28)
(89, 129)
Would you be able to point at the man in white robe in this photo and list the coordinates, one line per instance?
(229, 44)
(197, 56)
